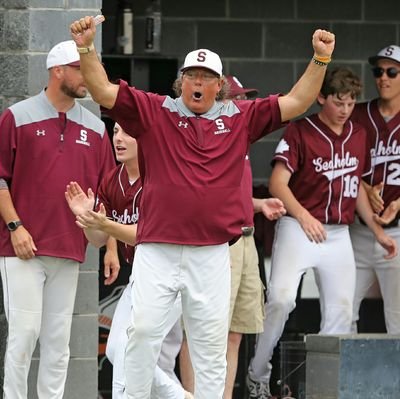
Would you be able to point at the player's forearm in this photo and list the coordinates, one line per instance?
(7, 209)
(122, 232)
(364, 210)
(96, 237)
(292, 205)
(303, 93)
(396, 203)
(257, 204)
(102, 91)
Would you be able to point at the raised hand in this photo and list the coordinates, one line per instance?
(83, 31)
(79, 202)
(323, 43)
(93, 220)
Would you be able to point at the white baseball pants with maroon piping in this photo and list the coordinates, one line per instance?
(334, 269)
(39, 297)
(202, 275)
(371, 265)
(163, 386)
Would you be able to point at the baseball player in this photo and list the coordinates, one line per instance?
(317, 171)
(381, 118)
(45, 142)
(118, 212)
(192, 152)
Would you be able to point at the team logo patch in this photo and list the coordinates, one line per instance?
(221, 127)
(282, 147)
(83, 138)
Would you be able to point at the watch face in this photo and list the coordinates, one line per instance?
(12, 226)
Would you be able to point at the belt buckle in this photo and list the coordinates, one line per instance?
(247, 231)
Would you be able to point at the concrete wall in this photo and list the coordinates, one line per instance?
(28, 29)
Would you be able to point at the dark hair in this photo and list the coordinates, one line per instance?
(339, 81)
(221, 95)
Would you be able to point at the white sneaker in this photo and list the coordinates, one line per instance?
(188, 395)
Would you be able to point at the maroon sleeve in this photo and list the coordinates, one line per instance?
(135, 110)
(7, 144)
(264, 116)
(288, 149)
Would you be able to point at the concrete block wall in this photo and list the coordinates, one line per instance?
(267, 44)
(28, 29)
(352, 366)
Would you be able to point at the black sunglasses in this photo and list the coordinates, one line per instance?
(390, 72)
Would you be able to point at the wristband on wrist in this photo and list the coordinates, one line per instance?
(321, 61)
(85, 50)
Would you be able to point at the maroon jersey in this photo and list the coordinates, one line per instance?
(192, 165)
(41, 151)
(326, 168)
(121, 200)
(384, 147)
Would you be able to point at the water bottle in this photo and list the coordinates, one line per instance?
(125, 29)
(153, 28)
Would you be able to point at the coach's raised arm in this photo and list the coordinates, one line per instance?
(297, 101)
(102, 90)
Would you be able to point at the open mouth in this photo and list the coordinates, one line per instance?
(197, 95)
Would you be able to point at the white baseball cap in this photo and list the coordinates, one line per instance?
(203, 58)
(63, 53)
(391, 52)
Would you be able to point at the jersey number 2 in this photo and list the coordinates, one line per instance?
(394, 177)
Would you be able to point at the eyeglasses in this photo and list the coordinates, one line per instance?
(390, 72)
(205, 76)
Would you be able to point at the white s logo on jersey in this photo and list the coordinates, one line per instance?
(83, 138)
(220, 124)
(83, 135)
(221, 127)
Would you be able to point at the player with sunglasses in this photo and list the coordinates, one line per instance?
(381, 118)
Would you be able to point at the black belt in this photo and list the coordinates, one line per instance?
(247, 231)
(393, 223)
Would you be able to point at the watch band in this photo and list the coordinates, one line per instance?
(85, 50)
(13, 225)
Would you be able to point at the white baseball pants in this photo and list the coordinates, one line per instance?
(39, 296)
(292, 255)
(163, 387)
(202, 275)
(371, 265)
(170, 349)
